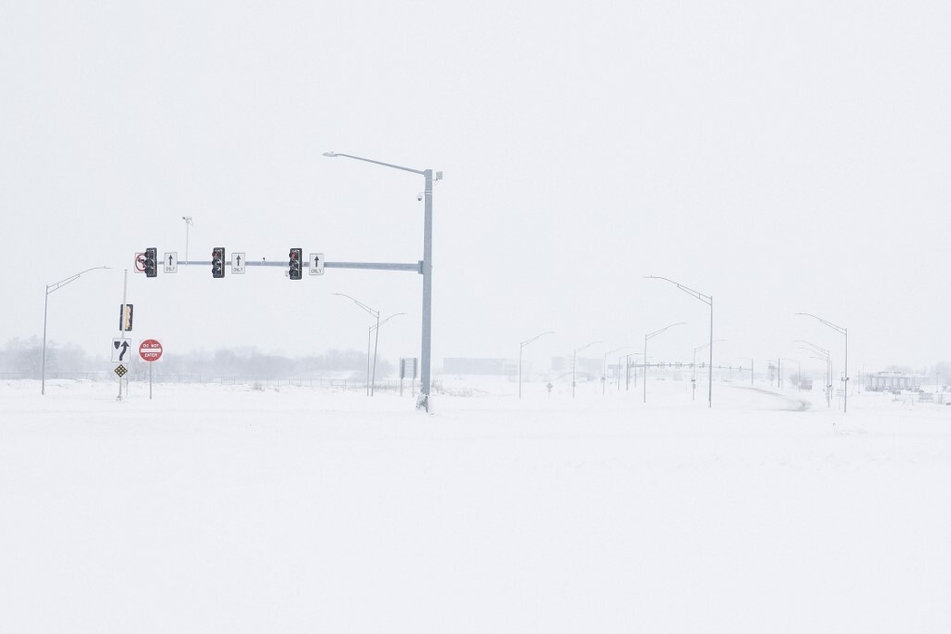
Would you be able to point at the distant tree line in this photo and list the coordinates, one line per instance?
(23, 358)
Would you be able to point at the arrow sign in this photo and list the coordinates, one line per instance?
(119, 349)
(237, 262)
(150, 350)
(171, 262)
(316, 263)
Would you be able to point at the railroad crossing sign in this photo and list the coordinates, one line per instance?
(171, 262)
(120, 370)
(237, 263)
(150, 350)
(316, 263)
(120, 349)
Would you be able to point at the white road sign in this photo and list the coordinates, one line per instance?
(237, 263)
(171, 262)
(316, 263)
(120, 350)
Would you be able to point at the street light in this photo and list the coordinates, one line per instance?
(647, 338)
(627, 368)
(694, 364)
(574, 359)
(824, 356)
(376, 314)
(426, 269)
(845, 333)
(798, 369)
(604, 369)
(50, 288)
(706, 299)
(521, 346)
(370, 330)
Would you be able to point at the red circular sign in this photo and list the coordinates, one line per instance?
(150, 350)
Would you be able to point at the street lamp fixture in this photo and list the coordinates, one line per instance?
(51, 288)
(647, 338)
(706, 299)
(574, 360)
(844, 332)
(521, 346)
(426, 269)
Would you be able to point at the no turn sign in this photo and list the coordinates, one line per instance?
(150, 350)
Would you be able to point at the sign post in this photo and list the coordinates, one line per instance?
(150, 350)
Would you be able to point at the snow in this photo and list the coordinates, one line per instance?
(236, 509)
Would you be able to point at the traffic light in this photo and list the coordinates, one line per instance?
(151, 262)
(125, 317)
(218, 262)
(294, 263)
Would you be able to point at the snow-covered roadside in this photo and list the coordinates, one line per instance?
(234, 509)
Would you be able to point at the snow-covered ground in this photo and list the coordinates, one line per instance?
(235, 509)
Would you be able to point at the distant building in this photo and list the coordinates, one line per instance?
(889, 381)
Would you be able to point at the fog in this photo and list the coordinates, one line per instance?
(780, 157)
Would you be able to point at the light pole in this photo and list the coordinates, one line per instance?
(369, 332)
(694, 364)
(706, 299)
(798, 369)
(50, 288)
(188, 223)
(627, 367)
(827, 357)
(604, 369)
(574, 359)
(521, 346)
(376, 314)
(647, 338)
(425, 268)
(845, 333)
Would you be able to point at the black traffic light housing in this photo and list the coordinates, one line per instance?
(218, 262)
(151, 262)
(295, 266)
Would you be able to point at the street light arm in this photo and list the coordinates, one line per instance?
(707, 345)
(374, 313)
(372, 328)
(814, 347)
(72, 278)
(586, 346)
(657, 332)
(528, 341)
(707, 299)
(839, 329)
(360, 158)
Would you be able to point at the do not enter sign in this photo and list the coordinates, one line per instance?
(150, 350)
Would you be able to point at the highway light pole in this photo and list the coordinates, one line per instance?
(376, 345)
(845, 333)
(647, 338)
(706, 299)
(51, 288)
(694, 364)
(521, 347)
(574, 360)
(376, 314)
(425, 269)
(604, 369)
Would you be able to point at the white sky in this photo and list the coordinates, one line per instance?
(780, 156)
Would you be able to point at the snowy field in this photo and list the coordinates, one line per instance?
(234, 509)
